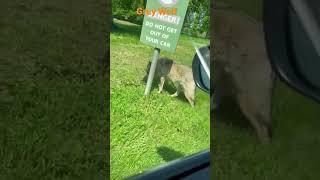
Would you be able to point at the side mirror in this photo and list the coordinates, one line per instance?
(201, 68)
(292, 33)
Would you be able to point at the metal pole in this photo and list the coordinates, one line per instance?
(152, 70)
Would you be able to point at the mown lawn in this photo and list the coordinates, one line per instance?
(52, 94)
(293, 154)
(149, 131)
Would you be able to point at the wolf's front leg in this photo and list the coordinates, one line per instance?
(161, 84)
(176, 93)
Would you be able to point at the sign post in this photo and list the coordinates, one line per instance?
(161, 29)
(152, 70)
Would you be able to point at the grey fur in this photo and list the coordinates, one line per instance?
(241, 68)
(180, 75)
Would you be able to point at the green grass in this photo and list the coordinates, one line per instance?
(149, 131)
(52, 95)
(293, 153)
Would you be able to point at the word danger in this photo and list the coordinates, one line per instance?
(173, 19)
(157, 41)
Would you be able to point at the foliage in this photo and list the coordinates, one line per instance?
(197, 20)
(126, 10)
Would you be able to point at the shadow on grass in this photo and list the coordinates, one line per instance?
(168, 154)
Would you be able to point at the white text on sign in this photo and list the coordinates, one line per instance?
(161, 27)
(156, 41)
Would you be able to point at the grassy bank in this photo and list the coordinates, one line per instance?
(153, 130)
(52, 107)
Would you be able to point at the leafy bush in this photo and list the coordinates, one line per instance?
(126, 10)
(126, 15)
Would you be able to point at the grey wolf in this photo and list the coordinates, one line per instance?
(180, 75)
(241, 68)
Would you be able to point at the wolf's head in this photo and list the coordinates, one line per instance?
(163, 68)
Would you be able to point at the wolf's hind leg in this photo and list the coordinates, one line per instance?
(258, 116)
(191, 101)
(189, 93)
(161, 84)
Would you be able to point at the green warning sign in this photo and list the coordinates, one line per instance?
(162, 23)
